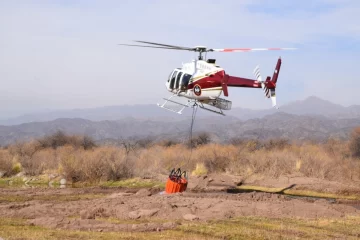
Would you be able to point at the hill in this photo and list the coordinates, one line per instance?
(278, 125)
(309, 106)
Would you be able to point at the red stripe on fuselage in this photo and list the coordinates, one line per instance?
(209, 82)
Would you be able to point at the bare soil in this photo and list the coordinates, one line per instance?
(123, 209)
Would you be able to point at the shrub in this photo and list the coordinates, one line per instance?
(94, 166)
(6, 165)
(88, 143)
(276, 144)
(60, 139)
(168, 142)
(199, 170)
(79, 160)
(355, 143)
(201, 139)
(16, 168)
(32, 166)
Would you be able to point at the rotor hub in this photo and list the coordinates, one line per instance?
(200, 49)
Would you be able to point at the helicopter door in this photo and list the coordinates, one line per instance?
(172, 79)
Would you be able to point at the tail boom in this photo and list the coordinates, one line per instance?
(268, 85)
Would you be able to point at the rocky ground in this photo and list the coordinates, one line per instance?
(150, 209)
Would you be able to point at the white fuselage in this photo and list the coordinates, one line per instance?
(196, 80)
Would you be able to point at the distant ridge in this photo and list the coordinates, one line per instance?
(221, 129)
(309, 106)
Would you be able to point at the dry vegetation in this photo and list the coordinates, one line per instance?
(240, 228)
(79, 159)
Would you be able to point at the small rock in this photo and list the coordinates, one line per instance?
(134, 215)
(63, 181)
(169, 225)
(143, 192)
(84, 214)
(143, 213)
(20, 174)
(210, 180)
(190, 217)
(52, 176)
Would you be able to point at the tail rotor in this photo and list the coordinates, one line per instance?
(268, 86)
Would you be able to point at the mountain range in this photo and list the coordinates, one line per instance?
(309, 119)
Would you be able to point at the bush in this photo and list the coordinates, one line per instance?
(16, 168)
(199, 170)
(168, 142)
(88, 143)
(276, 144)
(201, 139)
(60, 139)
(32, 166)
(80, 161)
(93, 166)
(6, 163)
(355, 143)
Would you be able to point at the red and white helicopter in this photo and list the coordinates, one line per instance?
(202, 81)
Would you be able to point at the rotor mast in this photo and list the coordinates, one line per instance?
(200, 50)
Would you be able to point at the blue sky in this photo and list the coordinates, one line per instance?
(64, 54)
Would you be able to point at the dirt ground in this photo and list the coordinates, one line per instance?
(207, 198)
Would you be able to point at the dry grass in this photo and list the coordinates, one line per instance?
(239, 228)
(332, 160)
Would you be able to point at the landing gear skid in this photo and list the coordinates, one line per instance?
(172, 110)
(191, 103)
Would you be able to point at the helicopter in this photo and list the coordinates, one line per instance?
(202, 81)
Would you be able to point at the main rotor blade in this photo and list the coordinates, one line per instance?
(247, 49)
(134, 45)
(166, 45)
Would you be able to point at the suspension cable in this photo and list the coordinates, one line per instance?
(195, 107)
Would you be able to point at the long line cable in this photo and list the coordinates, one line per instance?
(195, 107)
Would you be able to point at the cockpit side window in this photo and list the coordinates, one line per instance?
(185, 81)
(178, 80)
(172, 81)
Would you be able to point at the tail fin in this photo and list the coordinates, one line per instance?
(276, 72)
(269, 84)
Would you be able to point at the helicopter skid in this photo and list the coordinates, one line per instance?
(173, 110)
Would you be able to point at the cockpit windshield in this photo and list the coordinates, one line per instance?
(172, 79)
(178, 80)
(170, 76)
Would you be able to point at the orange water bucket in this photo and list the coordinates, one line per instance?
(177, 181)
